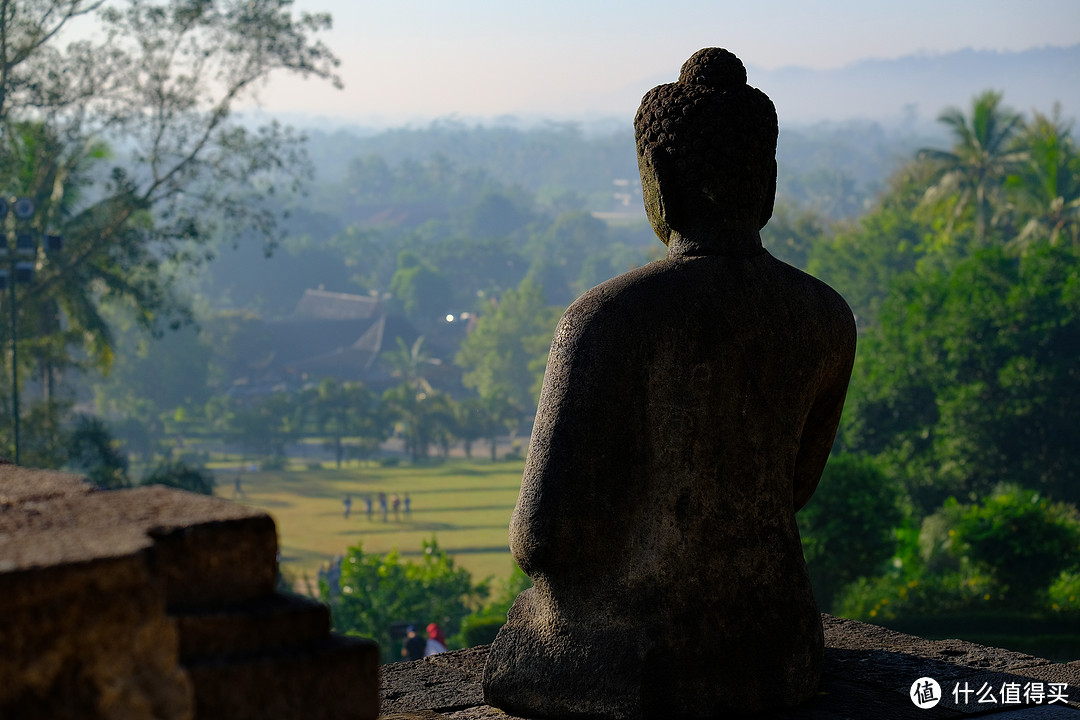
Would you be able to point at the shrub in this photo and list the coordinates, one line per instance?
(848, 526)
(376, 592)
(180, 475)
(276, 462)
(1064, 592)
(479, 629)
(1021, 539)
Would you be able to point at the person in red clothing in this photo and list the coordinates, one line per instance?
(436, 641)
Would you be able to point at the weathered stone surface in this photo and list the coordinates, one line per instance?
(275, 622)
(441, 682)
(87, 582)
(19, 485)
(89, 640)
(1056, 673)
(687, 412)
(204, 550)
(859, 680)
(334, 680)
(854, 635)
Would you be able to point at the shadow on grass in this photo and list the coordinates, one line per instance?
(464, 508)
(396, 528)
(441, 490)
(266, 503)
(462, 551)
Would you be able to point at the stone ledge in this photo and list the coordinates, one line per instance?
(268, 624)
(157, 603)
(868, 673)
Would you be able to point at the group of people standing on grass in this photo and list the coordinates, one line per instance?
(417, 647)
(385, 505)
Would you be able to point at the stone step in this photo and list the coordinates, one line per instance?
(275, 622)
(336, 679)
(202, 551)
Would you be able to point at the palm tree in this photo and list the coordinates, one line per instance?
(983, 155)
(411, 364)
(423, 416)
(1048, 185)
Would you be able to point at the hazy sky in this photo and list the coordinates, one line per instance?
(415, 60)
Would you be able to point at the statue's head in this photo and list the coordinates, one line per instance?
(707, 148)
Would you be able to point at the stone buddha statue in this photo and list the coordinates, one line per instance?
(687, 412)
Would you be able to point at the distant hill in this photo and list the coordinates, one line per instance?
(912, 88)
(922, 86)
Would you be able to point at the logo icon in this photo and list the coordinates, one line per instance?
(925, 693)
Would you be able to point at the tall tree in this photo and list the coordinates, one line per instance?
(424, 416)
(506, 353)
(344, 411)
(983, 155)
(970, 378)
(159, 80)
(1047, 185)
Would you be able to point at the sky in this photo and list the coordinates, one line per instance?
(418, 60)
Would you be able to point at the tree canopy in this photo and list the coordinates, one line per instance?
(123, 139)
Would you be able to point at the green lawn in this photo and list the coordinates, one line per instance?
(466, 505)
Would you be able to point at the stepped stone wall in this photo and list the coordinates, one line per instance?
(157, 603)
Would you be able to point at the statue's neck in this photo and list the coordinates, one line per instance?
(741, 242)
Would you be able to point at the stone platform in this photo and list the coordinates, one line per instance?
(869, 671)
(157, 603)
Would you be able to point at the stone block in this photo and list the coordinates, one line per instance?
(89, 640)
(275, 622)
(337, 679)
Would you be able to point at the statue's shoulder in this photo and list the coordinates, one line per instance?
(820, 304)
(622, 297)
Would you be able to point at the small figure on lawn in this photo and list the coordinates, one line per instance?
(415, 646)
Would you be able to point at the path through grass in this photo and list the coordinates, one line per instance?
(466, 505)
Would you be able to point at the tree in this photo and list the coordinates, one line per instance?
(91, 451)
(982, 157)
(863, 259)
(847, 527)
(159, 80)
(424, 416)
(481, 626)
(1047, 185)
(505, 355)
(133, 384)
(376, 591)
(346, 410)
(970, 378)
(264, 425)
(180, 475)
(411, 364)
(422, 290)
(1019, 537)
(471, 420)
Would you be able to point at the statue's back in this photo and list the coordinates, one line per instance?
(687, 412)
(659, 492)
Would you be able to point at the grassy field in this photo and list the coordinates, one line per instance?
(466, 505)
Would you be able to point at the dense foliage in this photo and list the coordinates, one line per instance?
(964, 279)
(371, 594)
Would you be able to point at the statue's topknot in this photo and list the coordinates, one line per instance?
(714, 68)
